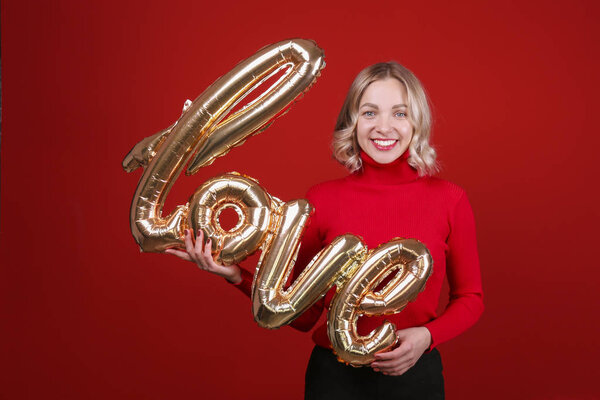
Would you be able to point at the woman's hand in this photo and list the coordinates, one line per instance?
(203, 258)
(413, 343)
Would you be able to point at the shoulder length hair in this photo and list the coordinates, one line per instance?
(345, 146)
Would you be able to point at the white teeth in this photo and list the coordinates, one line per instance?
(384, 143)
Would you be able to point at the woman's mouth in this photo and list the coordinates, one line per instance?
(384, 144)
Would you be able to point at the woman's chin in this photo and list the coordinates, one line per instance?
(384, 157)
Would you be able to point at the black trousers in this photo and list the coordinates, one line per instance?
(327, 378)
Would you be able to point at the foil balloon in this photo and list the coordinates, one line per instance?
(206, 128)
(273, 306)
(413, 264)
(251, 203)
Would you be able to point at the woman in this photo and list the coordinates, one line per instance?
(382, 136)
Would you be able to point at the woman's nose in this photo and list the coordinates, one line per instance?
(384, 125)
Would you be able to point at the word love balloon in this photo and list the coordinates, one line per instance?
(266, 223)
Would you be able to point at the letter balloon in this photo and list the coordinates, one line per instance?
(208, 129)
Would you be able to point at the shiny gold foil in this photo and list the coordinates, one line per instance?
(265, 223)
(274, 306)
(206, 128)
(356, 297)
(252, 205)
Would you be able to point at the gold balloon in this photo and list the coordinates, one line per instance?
(356, 297)
(252, 205)
(203, 128)
(265, 222)
(273, 306)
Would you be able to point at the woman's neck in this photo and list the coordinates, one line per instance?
(394, 173)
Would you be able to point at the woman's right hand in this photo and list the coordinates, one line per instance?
(199, 253)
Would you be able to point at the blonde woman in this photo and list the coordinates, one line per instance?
(382, 136)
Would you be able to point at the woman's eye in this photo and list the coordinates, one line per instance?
(401, 114)
(369, 113)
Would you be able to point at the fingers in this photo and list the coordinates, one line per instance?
(395, 367)
(392, 357)
(413, 342)
(199, 242)
(201, 254)
(207, 250)
(194, 250)
(397, 371)
(189, 245)
(179, 253)
(391, 364)
(205, 254)
(394, 362)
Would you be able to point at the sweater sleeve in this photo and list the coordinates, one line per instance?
(246, 284)
(309, 246)
(464, 278)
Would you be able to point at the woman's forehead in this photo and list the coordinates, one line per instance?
(385, 92)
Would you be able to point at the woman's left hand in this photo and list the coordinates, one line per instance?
(413, 343)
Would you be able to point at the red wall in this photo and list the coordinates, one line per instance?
(85, 315)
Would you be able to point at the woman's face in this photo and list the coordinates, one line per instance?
(383, 130)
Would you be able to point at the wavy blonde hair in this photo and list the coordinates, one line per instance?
(345, 146)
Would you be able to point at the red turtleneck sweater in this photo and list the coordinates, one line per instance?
(384, 201)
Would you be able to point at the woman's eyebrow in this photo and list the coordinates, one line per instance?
(375, 106)
(369, 105)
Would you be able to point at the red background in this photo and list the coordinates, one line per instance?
(85, 315)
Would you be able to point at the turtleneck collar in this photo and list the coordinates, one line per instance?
(396, 172)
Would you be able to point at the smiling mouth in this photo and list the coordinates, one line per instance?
(384, 144)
